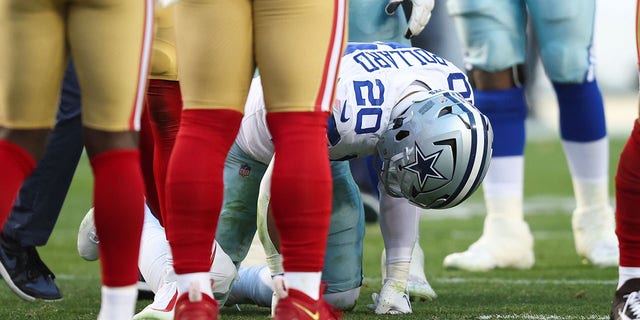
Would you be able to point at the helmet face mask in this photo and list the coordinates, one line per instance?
(436, 152)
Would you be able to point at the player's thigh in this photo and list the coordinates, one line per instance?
(565, 36)
(32, 62)
(343, 260)
(368, 22)
(492, 31)
(298, 45)
(110, 42)
(216, 37)
(237, 222)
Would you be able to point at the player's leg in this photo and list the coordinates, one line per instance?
(237, 223)
(628, 217)
(368, 22)
(565, 35)
(493, 33)
(164, 103)
(113, 90)
(342, 271)
(418, 286)
(627, 225)
(40, 199)
(215, 74)
(299, 79)
(33, 44)
(399, 222)
(33, 57)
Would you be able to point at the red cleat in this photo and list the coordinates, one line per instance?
(194, 305)
(299, 306)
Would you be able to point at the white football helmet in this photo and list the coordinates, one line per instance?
(436, 149)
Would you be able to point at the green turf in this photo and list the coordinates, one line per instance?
(560, 286)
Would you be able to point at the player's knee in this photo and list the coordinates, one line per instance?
(565, 62)
(513, 76)
(345, 300)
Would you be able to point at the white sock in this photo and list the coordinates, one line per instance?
(626, 273)
(398, 272)
(118, 302)
(202, 279)
(591, 194)
(588, 160)
(589, 166)
(306, 282)
(503, 188)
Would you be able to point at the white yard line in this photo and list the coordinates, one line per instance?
(532, 206)
(526, 282)
(530, 316)
(560, 282)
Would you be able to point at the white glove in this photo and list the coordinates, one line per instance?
(420, 14)
(165, 3)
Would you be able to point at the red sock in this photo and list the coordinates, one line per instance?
(16, 164)
(194, 186)
(165, 106)
(118, 198)
(146, 162)
(627, 199)
(301, 188)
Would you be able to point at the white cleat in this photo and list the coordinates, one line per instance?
(392, 299)
(505, 243)
(594, 235)
(163, 305)
(420, 289)
(88, 238)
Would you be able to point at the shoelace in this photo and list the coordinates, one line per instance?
(35, 265)
(632, 304)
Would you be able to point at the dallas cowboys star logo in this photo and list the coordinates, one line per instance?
(424, 166)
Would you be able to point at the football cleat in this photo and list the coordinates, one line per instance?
(194, 305)
(594, 235)
(393, 299)
(298, 306)
(505, 243)
(163, 305)
(419, 289)
(626, 301)
(88, 238)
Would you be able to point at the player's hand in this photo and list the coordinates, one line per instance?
(165, 3)
(420, 14)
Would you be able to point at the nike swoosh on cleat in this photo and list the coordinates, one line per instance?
(314, 316)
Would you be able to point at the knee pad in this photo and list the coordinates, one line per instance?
(565, 61)
(345, 300)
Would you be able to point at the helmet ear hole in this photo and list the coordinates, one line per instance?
(397, 123)
(402, 134)
(445, 111)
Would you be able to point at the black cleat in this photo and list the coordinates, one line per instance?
(626, 302)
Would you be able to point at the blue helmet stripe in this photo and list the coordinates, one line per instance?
(472, 160)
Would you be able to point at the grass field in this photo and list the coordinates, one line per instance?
(560, 286)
